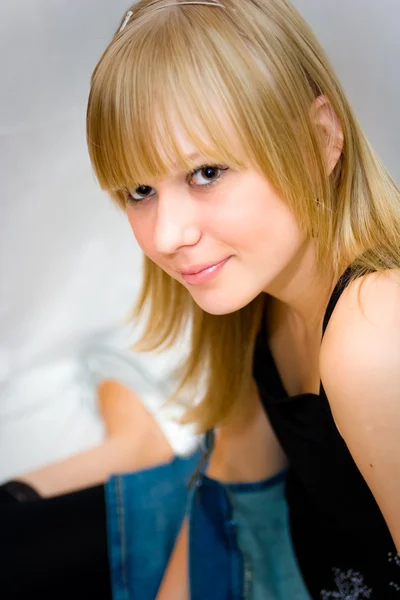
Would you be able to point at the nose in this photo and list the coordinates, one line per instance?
(176, 222)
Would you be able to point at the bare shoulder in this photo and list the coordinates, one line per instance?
(364, 330)
(360, 372)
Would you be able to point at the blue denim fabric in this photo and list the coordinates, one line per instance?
(239, 540)
(215, 561)
(145, 511)
(263, 532)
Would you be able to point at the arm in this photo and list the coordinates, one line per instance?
(360, 369)
(133, 441)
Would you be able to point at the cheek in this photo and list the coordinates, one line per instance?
(276, 225)
(259, 219)
(142, 227)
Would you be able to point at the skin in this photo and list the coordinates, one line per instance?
(179, 223)
(362, 344)
(268, 253)
(133, 441)
(239, 216)
(242, 216)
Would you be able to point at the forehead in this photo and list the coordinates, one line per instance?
(184, 145)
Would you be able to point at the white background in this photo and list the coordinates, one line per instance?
(69, 267)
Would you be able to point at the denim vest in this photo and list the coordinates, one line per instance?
(239, 541)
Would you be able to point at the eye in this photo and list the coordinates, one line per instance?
(203, 176)
(141, 193)
(206, 175)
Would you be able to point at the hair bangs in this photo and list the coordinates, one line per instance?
(237, 83)
(139, 111)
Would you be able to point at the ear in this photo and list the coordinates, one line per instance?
(326, 120)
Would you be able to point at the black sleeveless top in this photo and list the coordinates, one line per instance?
(343, 546)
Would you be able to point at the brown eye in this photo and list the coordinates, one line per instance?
(210, 172)
(141, 192)
(206, 175)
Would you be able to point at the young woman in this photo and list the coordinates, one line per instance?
(270, 226)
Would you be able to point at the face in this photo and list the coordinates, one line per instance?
(225, 235)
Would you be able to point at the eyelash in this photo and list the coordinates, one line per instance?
(220, 168)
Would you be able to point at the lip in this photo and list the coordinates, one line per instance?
(198, 274)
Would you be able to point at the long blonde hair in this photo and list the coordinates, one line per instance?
(257, 64)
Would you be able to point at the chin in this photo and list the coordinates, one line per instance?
(220, 304)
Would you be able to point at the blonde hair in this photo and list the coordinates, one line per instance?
(258, 64)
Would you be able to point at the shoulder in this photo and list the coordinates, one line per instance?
(360, 372)
(363, 335)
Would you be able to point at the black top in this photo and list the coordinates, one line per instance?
(341, 540)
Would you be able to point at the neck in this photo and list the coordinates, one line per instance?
(303, 290)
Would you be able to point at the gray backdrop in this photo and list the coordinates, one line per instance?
(69, 267)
